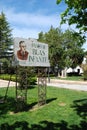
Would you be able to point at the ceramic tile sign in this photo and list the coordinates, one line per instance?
(30, 52)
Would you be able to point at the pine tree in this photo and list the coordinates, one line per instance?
(6, 42)
(5, 37)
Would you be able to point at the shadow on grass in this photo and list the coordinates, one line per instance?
(50, 100)
(11, 105)
(80, 106)
(44, 125)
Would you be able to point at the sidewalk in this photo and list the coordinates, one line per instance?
(75, 85)
(4, 83)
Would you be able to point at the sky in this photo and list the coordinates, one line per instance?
(27, 18)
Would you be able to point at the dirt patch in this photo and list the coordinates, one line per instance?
(62, 104)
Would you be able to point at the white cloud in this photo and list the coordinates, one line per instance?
(26, 24)
(30, 24)
(35, 19)
(25, 33)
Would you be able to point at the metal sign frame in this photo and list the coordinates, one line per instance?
(37, 57)
(42, 83)
(21, 88)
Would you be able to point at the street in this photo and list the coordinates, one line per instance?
(75, 85)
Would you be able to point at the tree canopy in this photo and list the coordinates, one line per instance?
(73, 48)
(53, 39)
(65, 48)
(75, 13)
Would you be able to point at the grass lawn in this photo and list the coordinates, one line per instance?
(65, 110)
(74, 78)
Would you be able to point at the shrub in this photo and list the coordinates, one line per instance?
(22, 73)
(31, 77)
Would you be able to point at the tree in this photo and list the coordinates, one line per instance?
(76, 13)
(65, 48)
(5, 41)
(53, 39)
(56, 52)
(73, 48)
(5, 37)
(41, 37)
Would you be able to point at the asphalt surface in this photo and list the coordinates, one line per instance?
(75, 85)
(5, 83)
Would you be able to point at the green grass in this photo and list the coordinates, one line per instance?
(73, 78)
(65, 110)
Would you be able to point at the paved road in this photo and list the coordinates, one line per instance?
(75, 85)
(81, 87)
(4, 83)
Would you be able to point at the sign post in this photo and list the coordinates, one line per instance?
(42, 83)
(21, 87)
(30, 52)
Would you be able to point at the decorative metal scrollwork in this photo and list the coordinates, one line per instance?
(21, 87)
(42, 83)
